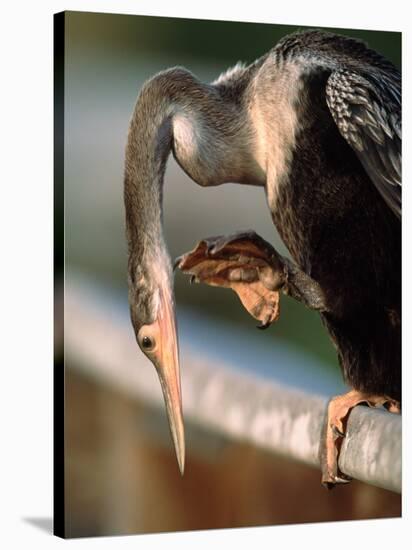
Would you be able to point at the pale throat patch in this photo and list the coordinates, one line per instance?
(186, 136)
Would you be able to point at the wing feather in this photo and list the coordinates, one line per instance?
(367, 113)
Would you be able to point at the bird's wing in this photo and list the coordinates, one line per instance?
(368, 116)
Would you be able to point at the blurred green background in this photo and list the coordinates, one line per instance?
(108, 58)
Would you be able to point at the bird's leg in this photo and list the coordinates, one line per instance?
(251, 266)
(334, 430)
(302, 287)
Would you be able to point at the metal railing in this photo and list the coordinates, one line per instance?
(272, 416)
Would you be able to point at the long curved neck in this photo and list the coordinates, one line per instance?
(208, 136)
(148, 146)
(173, 112)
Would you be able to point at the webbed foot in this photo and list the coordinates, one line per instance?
(251, 266)
(334, 430)
(244, 262)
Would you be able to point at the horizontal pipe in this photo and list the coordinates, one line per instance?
(239, 405)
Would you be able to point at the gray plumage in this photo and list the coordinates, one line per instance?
(317, 122)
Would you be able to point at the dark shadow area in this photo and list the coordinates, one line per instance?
(44, 524)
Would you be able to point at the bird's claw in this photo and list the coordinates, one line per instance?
(330, 481)
(176, 262)
(392, 406)
(263, 326)
(337, 432)
(335, 428)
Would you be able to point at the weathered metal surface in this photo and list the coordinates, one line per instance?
(372, 450)
(272, 416)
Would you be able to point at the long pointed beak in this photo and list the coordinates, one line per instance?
(167, 364)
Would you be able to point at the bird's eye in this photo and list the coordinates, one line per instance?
(147, 343)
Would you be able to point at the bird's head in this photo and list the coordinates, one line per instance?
(154, 322)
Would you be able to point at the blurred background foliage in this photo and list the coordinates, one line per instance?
(108, 58)
(204, 40)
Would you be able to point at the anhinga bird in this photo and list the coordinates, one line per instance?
(317, 123)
